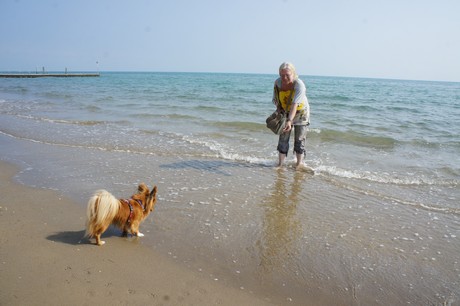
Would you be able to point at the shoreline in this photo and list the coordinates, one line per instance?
(46, 260)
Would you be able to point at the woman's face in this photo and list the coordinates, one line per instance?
(287, 77)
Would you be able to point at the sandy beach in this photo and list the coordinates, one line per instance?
(46, 261)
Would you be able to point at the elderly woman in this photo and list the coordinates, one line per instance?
(289, 96)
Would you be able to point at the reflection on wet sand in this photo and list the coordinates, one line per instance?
(281, 225)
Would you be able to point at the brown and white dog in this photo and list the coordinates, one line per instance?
(127, 214)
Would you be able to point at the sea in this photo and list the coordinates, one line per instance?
(377, 223)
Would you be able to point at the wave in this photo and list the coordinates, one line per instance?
(219, 150)
(206, 108)
(63, 121)
(350, 180)
(16, 89)
(240, 125)
(105, 99)
(369, 136)
(165, 116)
(212, 147)
(101, 147)
(93, 108)
(341, 98)
(356, 138)
(440, 143)
(385, 178)
(57, 95)
(434, 207)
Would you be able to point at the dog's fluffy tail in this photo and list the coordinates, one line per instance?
(102, 208)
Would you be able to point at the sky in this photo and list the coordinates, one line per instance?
(396, 39)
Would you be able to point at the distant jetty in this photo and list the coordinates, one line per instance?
(45, 75)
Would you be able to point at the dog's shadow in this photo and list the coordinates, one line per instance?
(78, 237)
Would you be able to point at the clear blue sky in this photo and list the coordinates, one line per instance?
(402, 39)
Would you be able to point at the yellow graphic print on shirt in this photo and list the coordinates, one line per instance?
(285, 96)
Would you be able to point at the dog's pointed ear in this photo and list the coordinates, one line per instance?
(142, 188)
(154, 191)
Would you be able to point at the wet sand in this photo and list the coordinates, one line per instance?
(46, 261)
(223, 233)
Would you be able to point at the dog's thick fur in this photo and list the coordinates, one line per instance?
(104, 209)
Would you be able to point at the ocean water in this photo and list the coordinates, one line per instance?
(398, 133)
(377, 222)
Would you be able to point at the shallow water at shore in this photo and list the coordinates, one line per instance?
(276, 232)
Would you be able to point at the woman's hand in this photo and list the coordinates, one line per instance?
(288, 126)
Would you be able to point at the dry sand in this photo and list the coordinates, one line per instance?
(46, 261)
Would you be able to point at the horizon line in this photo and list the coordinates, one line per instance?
(218, 72)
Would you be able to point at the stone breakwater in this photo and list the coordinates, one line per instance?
(42, 75)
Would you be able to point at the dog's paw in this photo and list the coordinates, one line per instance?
(140, 234)
(101, 243)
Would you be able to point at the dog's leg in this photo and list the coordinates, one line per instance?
(135, 230)
(99, 232)
(98, 239)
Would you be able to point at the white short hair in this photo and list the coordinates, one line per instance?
(290, 66)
